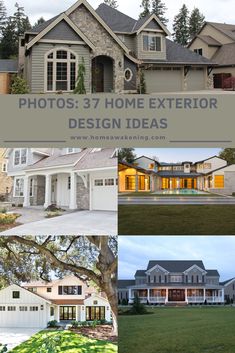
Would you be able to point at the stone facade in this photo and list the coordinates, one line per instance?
(105, 44)
(6, 182)
(83, 194)
(38, 198)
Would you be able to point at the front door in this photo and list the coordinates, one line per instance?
(67, 313)
(176, 295)
(97, 77)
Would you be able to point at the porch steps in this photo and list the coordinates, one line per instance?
(176, 304)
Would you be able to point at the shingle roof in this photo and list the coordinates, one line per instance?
(229, 280)
(225, 55)
(140, 273)
(176, 266)
(123, 283)
(227, 29)
(42, 26)
(101, 159)
(8, 66)
(209, 40)
(212, 273)
(141, 22)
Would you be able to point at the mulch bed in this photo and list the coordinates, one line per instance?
(4, 227)
(103, 332)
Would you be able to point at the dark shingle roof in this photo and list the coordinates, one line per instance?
(124, 283)
(140, 23)
(8, 66)
(42, 26)
(209, 40)
(140, 273)
(228, 280)
(212, 273)
(166, 173)
(225, 55)
(176, 265)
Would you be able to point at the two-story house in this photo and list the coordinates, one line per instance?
(216, 42)
(149, 175)
(5, 180)
(229, 290)
(73, 178)
(174, 282)
(114, 47)
(35, 304)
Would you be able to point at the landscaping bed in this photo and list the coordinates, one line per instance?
(8, 220)
(101, 332)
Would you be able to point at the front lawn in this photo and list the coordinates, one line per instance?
(176, 220)
(179, 330)
(69, 342)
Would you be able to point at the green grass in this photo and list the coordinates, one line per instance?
(71, 343)
(179, 330)
(176, 220)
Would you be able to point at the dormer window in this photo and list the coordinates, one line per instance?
(198, 51)
(20, 156)
(152, 42)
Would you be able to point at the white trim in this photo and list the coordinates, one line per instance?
(134, 60)
(55, 41)
(14, 187)
(151, 35)
(228, 283)
(96, 169)
(160, 268)
(131, 74)
(20, 150)
(197, 267)
(154, 17)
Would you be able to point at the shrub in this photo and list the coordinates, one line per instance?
(233, 194)
(53, 214)
(124, 302)
(52, 323)
(74, 324)
(138, 308)
(3, 210)
(8, 218)
(3, 348)
(205, 302)
(102, 322)
(94, 323)
(80, 83)
(19, 86)
(53, 208)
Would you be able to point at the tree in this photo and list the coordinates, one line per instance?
(22, 23)
(138, 308)
(80, 83)
(181, 26)
(19, 86)
(229, 155)
(126, 154)
(196, 21)
(112, 3)
(91, 258)
(39, 22)
(9, 42)
(159, 9)
(3, 17)
(142, 83)
(146, 8)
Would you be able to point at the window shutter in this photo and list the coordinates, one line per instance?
(79, 290)
(60, 290)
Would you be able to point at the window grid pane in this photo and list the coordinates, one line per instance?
(72, 76)
(50, 76)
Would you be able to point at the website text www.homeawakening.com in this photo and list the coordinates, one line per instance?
(118, 138)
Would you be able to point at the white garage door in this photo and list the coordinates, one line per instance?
(196, 80)
(104, 193)
(163, 80)
(32, 316)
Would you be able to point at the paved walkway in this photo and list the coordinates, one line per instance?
(176, 200)
(31, 214)
(15, 336)
(81, 223)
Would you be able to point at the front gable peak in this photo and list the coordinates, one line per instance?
(157, 268)
(195, 267)
(144, 23)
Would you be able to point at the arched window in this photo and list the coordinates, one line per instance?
(61, 68)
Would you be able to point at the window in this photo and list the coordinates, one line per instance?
(52, 311)
(4, 167)
(61, 68)
(2, 308)
(95, 302)
(130, 182)
(95, 313)
(219, 181)
(128, 75)
(151, 43)
(11, 308)
(23, 308)
(109, 182)
(99, 182)
(33, 308)
(69, 183)
(19, 187)
(175, 279)
(49, 290)
(70, 150)
(42, 307)
(31, 185)
(20, 156)
(151, 166)
(16, 294)
(207, 166)
(198, 51)
(70, 290)
(33, 289)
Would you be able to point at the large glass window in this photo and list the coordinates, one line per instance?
(95, 313)
(151, 43)
(61, 70)
(19, 187)
(70, 290)
(130, 182)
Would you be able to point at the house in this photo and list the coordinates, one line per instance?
(73, 178)
(148, 175)
(8, 68)
(229, 290)
(114, 47)
(34, 304)
(175, 282)
(5, 180)
(216, 42)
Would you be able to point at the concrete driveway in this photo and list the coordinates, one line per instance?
(15, 336)
(81, 223)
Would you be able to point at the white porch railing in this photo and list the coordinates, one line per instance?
(142, 300)
(214, 299)
(157, 299)
(196, 299)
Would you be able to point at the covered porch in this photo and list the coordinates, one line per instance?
(174, 183)
(135, 179)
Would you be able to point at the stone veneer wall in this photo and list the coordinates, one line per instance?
(5, 181)
(38, 198)
(83, 194)
(105, 44)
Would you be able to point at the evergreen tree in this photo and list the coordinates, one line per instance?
(39, 22)
(126, 154)
(22, 23)
(229, 155)
(138, 308)
(159, 9)
(181, 26)
(3, 17)
(195, 22)
(80, 83)
(112, 3)
(9, 43)
(146, 8)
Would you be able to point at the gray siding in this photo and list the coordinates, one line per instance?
(130, 42)
(63, 32)
(229, 291)
(132, 84)
(150, 55)
(153, 25)
(38, 64)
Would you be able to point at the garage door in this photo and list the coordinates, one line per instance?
(163, 80)
(22, 316)
(104, 193)
(195, 80)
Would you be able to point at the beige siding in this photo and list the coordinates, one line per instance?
(214, 33)
(207, 52)
(129, 41)
(150, 55)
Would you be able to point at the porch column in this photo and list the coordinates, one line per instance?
(26, 192)
(153, 183)
(222, 295)
(129, 294)
(57, 316)
(48, 191)
(136, 183)
(166, 301)
(178, 183)
(77, 313)
(171, 184)
(148, 295)
(83, 313)
(204, 294)
(73, 192)
(186, 295)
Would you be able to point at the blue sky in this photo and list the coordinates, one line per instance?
(217, 252)
(178, 154)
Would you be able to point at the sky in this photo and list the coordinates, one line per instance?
(216, 252)
(213, 10)
(178, 154)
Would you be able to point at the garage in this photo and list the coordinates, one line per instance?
(164, 80)
(104, 193)
(196, 79)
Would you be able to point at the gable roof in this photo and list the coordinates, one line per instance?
(212, 273)
(225, 28)
(225, 55)
(97, 160)
(140, 273)
(26, 290)
(10, 66)
(209, 40)
(228, 281)
(43, 25)
(176, 265)
(123, 283)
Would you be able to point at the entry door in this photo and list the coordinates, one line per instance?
(185, 184)
(97, 77)
(67, 313)
(176, 295)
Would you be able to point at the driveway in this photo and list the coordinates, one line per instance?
(81, 223)
(176, 200)
(15, 336)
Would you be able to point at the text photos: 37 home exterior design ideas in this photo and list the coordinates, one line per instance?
(173, 282)
(114, 47)
(34, 304)
(148, 175)
(72, 178)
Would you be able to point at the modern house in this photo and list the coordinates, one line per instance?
(114, 47)
(5, 180)
(33, 305)
(148, 175)
(8, 68)
(72, 178)
(229, 290)
(216, 42)
(174, 282)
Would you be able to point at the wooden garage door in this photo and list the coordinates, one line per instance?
(219, 181)
(163, 80)
(196, 80)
